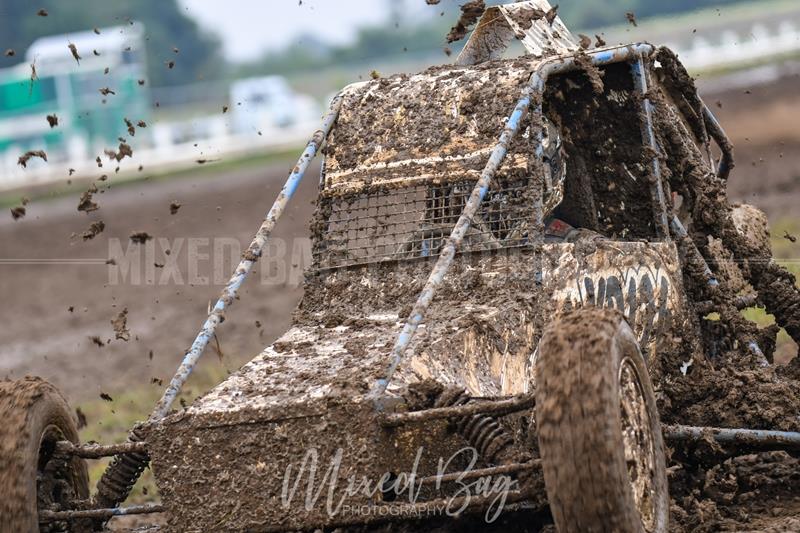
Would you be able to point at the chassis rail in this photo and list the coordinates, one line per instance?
(55, 516)
(786, 440)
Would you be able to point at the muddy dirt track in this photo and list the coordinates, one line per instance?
(217, 216)
(42, 336)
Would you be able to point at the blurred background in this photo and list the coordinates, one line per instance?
(215, 101)
(178, 65)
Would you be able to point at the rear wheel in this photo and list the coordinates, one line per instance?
(598, 427)
(33, 475)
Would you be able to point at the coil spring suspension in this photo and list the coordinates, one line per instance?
(483, 432)
(121, 475)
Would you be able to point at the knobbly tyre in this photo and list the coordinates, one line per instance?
(510, 257)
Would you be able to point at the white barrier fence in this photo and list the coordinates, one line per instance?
(759, 42)
(171, 146)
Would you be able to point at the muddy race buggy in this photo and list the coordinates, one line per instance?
(511, 258)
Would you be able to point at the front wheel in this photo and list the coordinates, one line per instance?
(598, 427)
(33, 475)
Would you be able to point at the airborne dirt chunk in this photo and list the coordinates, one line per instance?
(118, 155)
(123, 150)
(24, 158)
(129, 124)
(470, 13)
(631, 17)
(140, 237)
(52, 120)
(85, 203)
(105, 91)
(106, 397)
(120, 325)
(551, 15)
(10, 52)
(42, 13)
(526, 17)
(97, 341)
(74, 51)
(95, 229)
(18, 212)
(174, 205)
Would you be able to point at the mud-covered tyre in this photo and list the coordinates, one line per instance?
(35, 416)
(598, 427)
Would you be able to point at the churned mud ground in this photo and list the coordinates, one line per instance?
(59, 314)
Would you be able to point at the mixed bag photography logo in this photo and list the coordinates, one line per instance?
(322, 482)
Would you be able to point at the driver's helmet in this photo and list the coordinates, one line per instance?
(555, 171)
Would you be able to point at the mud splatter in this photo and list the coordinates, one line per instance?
(24, 158)
(52, 120)
(86, 203)
(18, 212)
(97, 341)
(525, 17)
(470, 13)
(140, 237)
(74, 51)
(551, 15)
(120, 325)
(95, 229)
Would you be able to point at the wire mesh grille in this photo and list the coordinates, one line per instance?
(416, 221)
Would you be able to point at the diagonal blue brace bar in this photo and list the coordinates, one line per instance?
(448, 251)
(250, 257)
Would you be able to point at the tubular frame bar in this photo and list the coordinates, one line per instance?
(726, 162)
(639, 71)
(249, 258)
(532, 92)
(96, 451)
(496, 407)
(513, 468)
(52, 516)
(745, 437)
